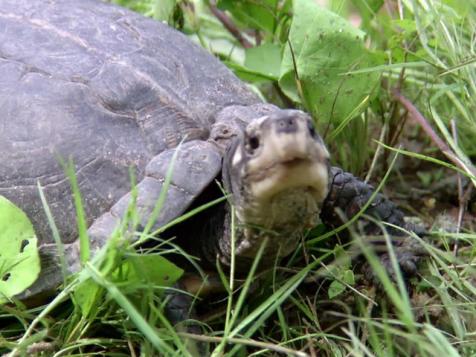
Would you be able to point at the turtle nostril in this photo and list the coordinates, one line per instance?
(287, 125)
(285, 122)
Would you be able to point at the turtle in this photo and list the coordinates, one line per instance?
(117, 92)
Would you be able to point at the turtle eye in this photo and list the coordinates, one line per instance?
(253, 143)
(311, 129)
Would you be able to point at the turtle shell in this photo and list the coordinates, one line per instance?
(104, 87)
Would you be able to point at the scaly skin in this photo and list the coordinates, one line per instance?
(349, 195)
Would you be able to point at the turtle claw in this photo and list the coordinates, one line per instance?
(409, 263)
(178, 307)
(180, 312)
(408, 255)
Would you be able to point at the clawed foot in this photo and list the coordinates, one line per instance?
(408, 253)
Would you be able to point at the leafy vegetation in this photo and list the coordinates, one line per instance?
(379, 78)
(19, 259)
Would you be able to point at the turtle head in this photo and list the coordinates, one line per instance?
(278, 175)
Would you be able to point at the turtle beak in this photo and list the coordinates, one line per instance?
(290, 140)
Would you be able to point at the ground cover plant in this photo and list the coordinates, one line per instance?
(391, 87)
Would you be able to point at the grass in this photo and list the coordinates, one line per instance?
(428, 54)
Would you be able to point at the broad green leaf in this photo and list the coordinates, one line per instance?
(348, 277)
(326, 47)
(19, 257)
(337, 287)
(251, 13)
(153, 269)
(247, 74)
(164, 9)
(264, 59)
(135, 271)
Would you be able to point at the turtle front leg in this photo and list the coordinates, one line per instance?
(196, 165)
(348, 195)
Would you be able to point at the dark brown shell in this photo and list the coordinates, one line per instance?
(101, 85)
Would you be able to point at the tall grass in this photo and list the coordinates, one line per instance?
(430, 49)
